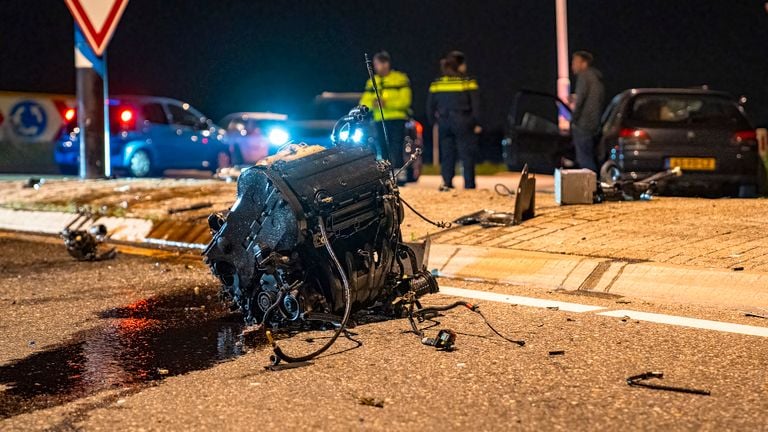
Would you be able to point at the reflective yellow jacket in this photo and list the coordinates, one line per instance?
(395, 91)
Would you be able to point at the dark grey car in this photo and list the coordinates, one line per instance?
(704, 132)
(644, 131)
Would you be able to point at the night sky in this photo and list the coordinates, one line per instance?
(224, 56)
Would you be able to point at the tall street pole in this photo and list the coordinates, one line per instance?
(92, 110)
(563, 77)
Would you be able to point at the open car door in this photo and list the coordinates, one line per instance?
(533, 135)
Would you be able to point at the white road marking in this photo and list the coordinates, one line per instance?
(579, 308)
(689, 322)
(519, 300)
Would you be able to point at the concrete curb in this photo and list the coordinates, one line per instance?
(645, 280)
(122, 229)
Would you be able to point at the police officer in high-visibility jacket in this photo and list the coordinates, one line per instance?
(454, 105)
(395, 91)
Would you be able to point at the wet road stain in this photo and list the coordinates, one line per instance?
(137, 345)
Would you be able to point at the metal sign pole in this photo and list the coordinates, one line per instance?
(92, 110)
(563, 77)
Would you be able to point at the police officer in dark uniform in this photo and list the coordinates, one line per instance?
(454, 105)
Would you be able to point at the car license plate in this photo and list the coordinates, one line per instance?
(693, 164)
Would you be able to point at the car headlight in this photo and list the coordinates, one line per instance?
(357, 136)
(278, 136)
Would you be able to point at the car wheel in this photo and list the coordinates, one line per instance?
(140, 164)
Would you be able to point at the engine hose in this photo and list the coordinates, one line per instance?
(271, 309)
(279, 354)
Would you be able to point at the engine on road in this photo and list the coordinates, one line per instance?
(313, 235)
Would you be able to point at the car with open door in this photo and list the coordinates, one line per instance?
(535, 135)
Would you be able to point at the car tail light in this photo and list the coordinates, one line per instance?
(126, 116)
(126, 119)
(632, 133)
(631, 139)
(69, 114)
(748, 137)
(419, 129)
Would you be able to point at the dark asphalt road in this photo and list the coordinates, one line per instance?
(141, 343)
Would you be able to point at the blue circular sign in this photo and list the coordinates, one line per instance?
(28, 119)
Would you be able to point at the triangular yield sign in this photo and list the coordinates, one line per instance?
(97, 20)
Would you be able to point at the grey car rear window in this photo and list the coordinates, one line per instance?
(686, 110)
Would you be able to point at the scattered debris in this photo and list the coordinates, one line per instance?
(755, 315)
(197, 206)
(613, 188)
(557, 353)
(638, 381)
(525, 203)
(553, 308)
(444, 341)
(34, 183)
(163, 371)
(83, 244)
(124, 188)
(738, 269)
(622, 301)
(282, 366)
(369, 401)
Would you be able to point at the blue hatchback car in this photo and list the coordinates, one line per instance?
(149, 135)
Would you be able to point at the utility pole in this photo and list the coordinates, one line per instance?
(563, 77)
(92, 110)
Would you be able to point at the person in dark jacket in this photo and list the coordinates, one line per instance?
(453, 104)
(587, 108)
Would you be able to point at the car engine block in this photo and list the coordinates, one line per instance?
(309, 225)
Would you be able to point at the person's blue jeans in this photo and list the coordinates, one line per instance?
(584, 144)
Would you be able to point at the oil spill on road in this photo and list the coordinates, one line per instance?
(138, 344)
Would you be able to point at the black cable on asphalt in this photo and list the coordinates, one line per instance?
(503, 190)
(472, 307)
(638, 381)
(439, 224)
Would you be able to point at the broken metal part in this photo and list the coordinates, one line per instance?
(445, 340)
(83, 244)
(616, 189)
(525, 205)
(525, 198)
(639, 381)
(34, 183)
